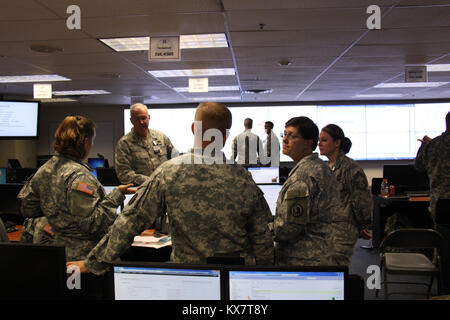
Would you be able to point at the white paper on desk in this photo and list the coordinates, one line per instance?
(151, 242)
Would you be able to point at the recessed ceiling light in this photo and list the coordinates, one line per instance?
(57, 100)
(33, 78)
(258, 91)
(42, 48)
(193, 73)
(217, 88)
(438, 67)
(194, 41)
(215, 98)
(381, 95)
(79, 92)
(410, 85)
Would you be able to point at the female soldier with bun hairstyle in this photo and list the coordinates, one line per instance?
(354, 189)
(65, 192)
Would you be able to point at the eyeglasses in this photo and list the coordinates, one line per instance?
(290, 136)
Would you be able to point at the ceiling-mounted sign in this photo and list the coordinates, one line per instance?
(416, 74)
(198, 84)
(42, 91)
(164, 48)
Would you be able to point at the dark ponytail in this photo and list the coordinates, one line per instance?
(338, 134)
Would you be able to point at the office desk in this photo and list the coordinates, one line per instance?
(413, 209)
(134, 253)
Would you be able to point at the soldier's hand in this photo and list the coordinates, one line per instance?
(79, 264)
(126, 189)
(365, 234)
(425, 139)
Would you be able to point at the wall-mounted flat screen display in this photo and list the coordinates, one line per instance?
(377, 131)
(19, 119)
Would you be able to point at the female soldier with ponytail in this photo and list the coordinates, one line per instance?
(65, 192)
(356, 198)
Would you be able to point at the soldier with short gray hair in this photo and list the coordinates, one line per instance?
(141, 150)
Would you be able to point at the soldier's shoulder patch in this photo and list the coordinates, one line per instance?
(85, 187)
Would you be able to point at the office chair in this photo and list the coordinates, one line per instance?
(406, 263)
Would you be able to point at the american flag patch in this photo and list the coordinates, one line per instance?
(85, 187)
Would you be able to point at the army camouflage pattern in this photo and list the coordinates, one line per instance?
(136, 157)
(33, 231)
(213, 209)
(307, 207)
(78, 219)
(3, 233)
(356, 201)
(433, 157)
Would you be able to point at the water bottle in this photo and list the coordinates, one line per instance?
(384, 188)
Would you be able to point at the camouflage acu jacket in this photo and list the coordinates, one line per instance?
(136, 157)
(73, 201)
(213, 209)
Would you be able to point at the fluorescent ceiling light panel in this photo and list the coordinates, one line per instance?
(214, 98)
(194, 41)
(193, 73)
(57, 100)
(33, 78)
(410, 84)
(438, 67)
(218, 88)
(79, 92)
(381, 95)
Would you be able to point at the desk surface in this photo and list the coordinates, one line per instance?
(406, 198)
(15, 235)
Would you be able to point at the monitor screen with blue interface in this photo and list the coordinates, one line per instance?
(271, 192)
(96, 162)
(377, 131)
(2, 175)
(285, 285)
(265, 174)
(159, 283)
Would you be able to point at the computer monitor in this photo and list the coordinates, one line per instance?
(271, 192)
(285, 283)
(265, 174)
(96, 162)
(9, 204)
(14, 163)
(156, 281)
(107, 176)
(405, 178)
(2, 175)
(32, 271)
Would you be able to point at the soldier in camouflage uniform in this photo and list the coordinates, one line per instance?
(214, 208)
(433, 157)
(142, 150)
(308, 202)
(3, 234)
(68, 195)
(356, 198)
(37, 230)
